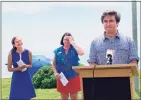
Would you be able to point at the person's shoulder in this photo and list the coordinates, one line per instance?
(125, 37)
(27, 50)
(58, 49)
(10, 53)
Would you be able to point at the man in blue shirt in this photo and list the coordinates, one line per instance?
(123, 47)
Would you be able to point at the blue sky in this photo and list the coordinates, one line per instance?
(41, 24)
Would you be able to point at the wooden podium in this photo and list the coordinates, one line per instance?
(107, 82)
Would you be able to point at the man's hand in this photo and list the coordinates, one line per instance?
(92, 64)
(133, 62)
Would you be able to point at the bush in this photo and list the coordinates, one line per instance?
(44, 78)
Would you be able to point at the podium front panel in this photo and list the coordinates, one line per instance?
(110, 88)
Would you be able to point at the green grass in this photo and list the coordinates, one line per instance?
(40, 93)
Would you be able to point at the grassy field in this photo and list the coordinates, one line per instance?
(40, 93)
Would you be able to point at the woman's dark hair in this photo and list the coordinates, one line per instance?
(111, 13)
(66, 34)
(13, 42)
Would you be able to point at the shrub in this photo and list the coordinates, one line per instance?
(44, 78)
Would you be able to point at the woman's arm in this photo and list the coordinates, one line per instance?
(79, 50)
(30, 60)
(54, 66)
(9, 65)
(57, 75)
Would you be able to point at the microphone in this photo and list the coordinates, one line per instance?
(109, 56)
(109, 59)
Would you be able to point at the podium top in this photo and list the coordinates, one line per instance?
(114, 66)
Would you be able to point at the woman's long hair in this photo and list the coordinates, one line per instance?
(13, 42)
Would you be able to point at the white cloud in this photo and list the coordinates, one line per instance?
(26, 7)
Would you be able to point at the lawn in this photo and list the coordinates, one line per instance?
(41, 93)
